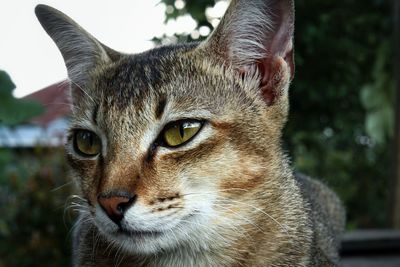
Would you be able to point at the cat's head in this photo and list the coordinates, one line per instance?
(180, 143)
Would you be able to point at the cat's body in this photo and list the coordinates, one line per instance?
(177, 151)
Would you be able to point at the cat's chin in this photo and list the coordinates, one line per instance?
(142, 242)
(148, 242)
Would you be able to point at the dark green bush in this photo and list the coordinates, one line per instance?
(33, 192)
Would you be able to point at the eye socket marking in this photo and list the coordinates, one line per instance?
(86, 143)
(180, 132)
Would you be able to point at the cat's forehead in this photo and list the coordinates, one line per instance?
(143, 77)
(172, 74)
(137, 73)
(171, 80)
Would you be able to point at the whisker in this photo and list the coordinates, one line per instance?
(78, 222)
(259, 210)
(215, 191)
(61, 186)
(118, 257)
(76, 204)
(215, 231)
(231, 224)
(77, 85)
(222, 198)
(71, 106)
(242, 218)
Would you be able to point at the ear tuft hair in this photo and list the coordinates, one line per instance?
(254, 29)
(257, 34)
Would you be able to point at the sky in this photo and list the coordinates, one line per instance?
(33, 61)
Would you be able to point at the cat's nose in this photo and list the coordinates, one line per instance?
(115, 204)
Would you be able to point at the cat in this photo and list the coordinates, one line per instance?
(177, 150)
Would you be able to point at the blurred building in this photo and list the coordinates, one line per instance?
(47, 129)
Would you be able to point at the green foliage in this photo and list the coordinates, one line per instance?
(33, 190)
(378, 98)
(12, 110)
(341, 116)
(336, 46)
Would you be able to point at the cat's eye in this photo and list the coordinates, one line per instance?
(87, 143)
(180, 132)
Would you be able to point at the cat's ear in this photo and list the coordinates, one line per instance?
(258, 34)
(82, 52)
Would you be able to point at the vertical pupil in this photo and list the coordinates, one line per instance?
(181, 130)
(91, 139)
(89, 136)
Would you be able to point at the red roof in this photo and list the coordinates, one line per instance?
(55, 98)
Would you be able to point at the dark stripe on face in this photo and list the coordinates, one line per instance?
(151, 152)
(94, 114)
(160, 107)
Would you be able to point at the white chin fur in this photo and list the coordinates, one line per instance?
(169, 231)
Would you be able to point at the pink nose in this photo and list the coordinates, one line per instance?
(115, 204)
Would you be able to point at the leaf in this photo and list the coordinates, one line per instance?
(14, 111)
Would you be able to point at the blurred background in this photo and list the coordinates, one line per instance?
(343, 126)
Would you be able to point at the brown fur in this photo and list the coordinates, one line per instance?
(228, 196)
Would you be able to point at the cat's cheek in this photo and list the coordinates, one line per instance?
(245, 174)
(85, 173)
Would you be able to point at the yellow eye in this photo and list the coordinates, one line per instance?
(180, 132)
(87, 143)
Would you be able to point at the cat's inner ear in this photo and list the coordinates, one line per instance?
(258, 34)
(82, 53)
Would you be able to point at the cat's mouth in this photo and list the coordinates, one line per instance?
(126, 232)
(137, 233)
(152, 238)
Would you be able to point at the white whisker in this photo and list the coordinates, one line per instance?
(77, 85)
